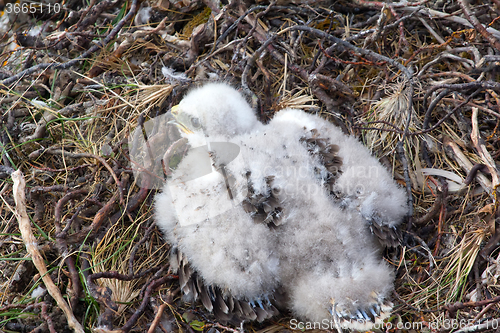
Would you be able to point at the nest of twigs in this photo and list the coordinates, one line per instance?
(416, 81)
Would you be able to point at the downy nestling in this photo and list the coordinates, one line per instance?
(287, 215)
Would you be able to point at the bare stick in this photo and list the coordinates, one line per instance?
(32, 248)
(100, 159)
(477, 25)
(157, 319)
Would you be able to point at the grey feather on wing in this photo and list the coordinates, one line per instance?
(263, 207)
(327, 154)
(386, 235)
(224, 306)
(204, 296)
(328, 157)
(261, 314)
(219, 301)
(248, 310)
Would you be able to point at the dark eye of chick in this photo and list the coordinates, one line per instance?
(195, 122)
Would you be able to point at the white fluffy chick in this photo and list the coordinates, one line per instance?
(283, 218)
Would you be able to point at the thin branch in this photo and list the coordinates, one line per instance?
(477, 25)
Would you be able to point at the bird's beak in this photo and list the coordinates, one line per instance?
(177, 121)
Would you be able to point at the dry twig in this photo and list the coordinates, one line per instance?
(32, 248)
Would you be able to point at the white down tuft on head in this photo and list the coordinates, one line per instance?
(220, 109)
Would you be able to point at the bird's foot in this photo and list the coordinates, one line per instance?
(361, 316)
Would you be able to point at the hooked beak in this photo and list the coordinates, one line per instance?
(177, 121)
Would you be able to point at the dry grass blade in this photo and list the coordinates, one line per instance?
(448, 284)
(392, 109)
(460, 265)
(302, 99)
(113, 254)
(151, 96)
